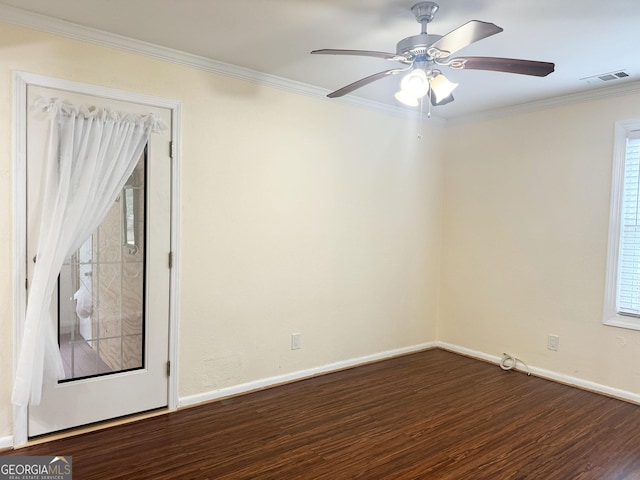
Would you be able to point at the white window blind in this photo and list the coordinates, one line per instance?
(622, 283)
(628, 289)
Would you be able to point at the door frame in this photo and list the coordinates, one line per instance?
(21, 80)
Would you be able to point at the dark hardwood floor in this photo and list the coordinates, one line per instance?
(430, 415)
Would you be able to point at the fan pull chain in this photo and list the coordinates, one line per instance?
(420, 136)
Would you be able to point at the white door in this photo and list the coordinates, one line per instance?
(113, 293)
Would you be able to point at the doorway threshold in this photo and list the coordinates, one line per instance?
(73, 432)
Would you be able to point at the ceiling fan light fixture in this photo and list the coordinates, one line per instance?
(406, 98)
(415, 83)
(442, 87)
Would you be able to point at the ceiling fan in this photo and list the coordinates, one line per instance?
(422, 56)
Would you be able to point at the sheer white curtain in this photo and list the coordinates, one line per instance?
(91, 154)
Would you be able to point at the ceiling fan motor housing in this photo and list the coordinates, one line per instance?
(416, 45)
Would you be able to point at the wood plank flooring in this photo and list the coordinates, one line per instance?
(429, 415)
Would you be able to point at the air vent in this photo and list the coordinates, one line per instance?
(606, 77)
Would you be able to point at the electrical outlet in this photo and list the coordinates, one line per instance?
(295, 341)
(553, 342)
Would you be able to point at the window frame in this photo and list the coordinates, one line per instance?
(623, 130)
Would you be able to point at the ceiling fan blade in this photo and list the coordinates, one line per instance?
(362, 53)
(508, 65)
(465, 35)
(364, 81)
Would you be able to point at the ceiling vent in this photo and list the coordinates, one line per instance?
(606, 77)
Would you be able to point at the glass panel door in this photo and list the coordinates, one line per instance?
(117, 326)
(101, 291)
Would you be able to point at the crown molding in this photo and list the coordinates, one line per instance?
(36, 21)
(601, 93)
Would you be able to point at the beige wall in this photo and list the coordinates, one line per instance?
(526, 212)
(298, 215)
(305, 215)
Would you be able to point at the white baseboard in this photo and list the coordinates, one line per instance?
(299, 375)
(6, 442)
(548, 374)
(334, 367)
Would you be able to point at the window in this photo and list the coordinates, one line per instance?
(622, 293)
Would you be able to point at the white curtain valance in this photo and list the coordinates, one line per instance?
(55, 106)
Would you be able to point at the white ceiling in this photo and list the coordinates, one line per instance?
(583, 38)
